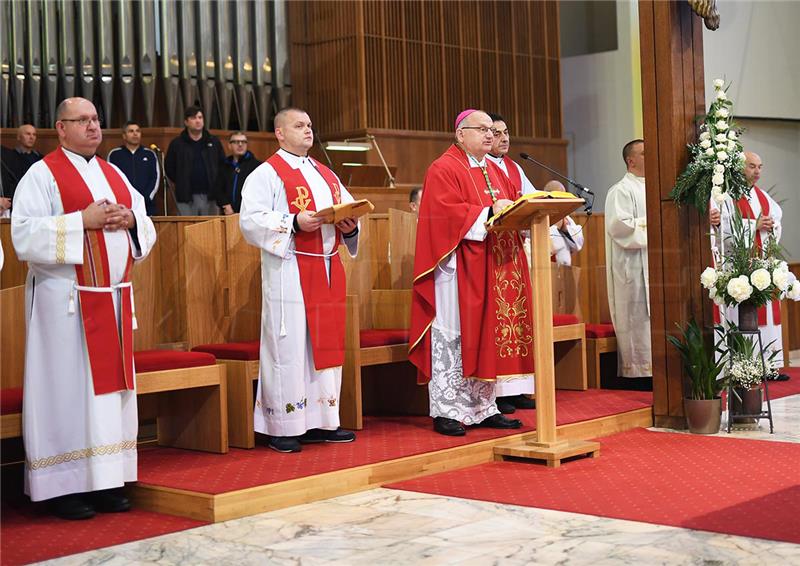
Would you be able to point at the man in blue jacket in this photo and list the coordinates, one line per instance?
(139, 164)
(232, 173)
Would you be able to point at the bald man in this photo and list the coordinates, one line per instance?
(15, 163)
(764, 214)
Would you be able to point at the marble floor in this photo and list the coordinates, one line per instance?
(387, 527)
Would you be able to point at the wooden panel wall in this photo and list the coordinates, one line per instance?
(413, 65)
(672, 94)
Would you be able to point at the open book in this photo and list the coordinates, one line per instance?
(339, 212)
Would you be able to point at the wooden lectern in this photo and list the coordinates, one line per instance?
(539, 214)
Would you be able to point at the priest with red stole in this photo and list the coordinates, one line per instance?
(80, 225)
(303, 289)
(471, 307)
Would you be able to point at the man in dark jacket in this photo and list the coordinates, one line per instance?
(192, 163)
(232, 173)
(139, 164)
(15, 163)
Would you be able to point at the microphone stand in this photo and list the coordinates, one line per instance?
(580, 188)
(164, 181)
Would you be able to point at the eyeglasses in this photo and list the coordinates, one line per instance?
(482, 129)
(238, 141)
(83, 122)
(498, 133)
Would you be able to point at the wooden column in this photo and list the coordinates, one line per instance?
(673, 96)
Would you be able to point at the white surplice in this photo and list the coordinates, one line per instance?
(293, 396)
(770, 332)
(520, 384)
(562, 247)
(628, 276)
(75, 441)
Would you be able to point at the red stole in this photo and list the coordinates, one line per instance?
(514, 176)
(747, 213)
(324, 301)
(493, 279)
(109, 344)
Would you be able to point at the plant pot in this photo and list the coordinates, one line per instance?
(703, 416)
(749, 404)
(748, 316)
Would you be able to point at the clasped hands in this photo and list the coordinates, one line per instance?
(763, 223)
(108, 216)
(308, 223)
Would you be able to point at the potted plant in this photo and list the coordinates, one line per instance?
(703, 407)
(746, 370)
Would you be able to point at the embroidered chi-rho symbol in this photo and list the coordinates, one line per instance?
(302, 201)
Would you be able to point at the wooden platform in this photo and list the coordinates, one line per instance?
(246, 502)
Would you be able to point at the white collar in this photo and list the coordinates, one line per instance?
(294, 161)
(630, 175)
(494, 159)
(474, 162)
(77, 158)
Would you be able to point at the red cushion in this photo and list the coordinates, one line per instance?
(11, 401)
(231, 350)
(160, 360)
(385, 337)
(601, 330)
(565, 319)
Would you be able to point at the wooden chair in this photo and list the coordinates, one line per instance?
(12, 359)
(600, 338)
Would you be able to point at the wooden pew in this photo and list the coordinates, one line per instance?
(12, 357)
(600, 339)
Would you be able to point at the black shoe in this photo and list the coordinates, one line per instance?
(499, 421)
(778, 377)
(448, 427)
(109, 501)
(506, 405)
(71, 507)
(284, 444)
(522, 402)
(316, 435)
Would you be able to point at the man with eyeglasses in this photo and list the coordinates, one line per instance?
(192, 162)
(80, 225)
(233, 172)
(139, 164)
(470, 312)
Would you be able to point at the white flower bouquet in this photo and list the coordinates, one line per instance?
(716, 164)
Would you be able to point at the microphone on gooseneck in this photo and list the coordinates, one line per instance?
(154, 147)
(575, 184)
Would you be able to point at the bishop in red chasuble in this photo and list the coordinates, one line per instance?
(471, 309)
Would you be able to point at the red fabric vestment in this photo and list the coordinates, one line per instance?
(514, 176)
(493, 277)
(109, 344)
(324, 299)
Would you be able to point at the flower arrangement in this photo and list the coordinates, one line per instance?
(745, 368)
(716, 160)
(748, 274)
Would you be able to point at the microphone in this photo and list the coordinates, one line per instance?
(154, 147)
(575, 184)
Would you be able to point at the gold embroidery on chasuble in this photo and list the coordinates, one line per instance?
(61, 239)
(302, 201)
(513, 332)
(94, 451)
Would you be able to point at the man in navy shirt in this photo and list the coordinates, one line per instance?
(232, 173)
(139, 164)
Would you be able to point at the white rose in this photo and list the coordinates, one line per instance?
(739, 288)
(721, 95)
(741, 157)
(720, 138)
(705, 144)
(721, 125)
(782, 266)
(760, 279)
(712, 293)
(718, 179)
(781, 279)
(722, 113)
(708, 278)
(718, 300)
(732, 135)
(719, 83)
(717, 194)
(731, 146)
(705, 136)
(719, 168)
(794, 292)
(709, 150)
(722, 156)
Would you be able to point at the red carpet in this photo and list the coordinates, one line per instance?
(778, 389)
(383, 438)
(725, 485)
(29, 534)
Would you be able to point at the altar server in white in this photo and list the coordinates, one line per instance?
(80, 225)
(627, 270)
(303, 289)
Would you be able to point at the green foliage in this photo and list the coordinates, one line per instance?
(699, 362)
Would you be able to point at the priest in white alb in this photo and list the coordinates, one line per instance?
(627, 271)
(80, 226)
(303, 289)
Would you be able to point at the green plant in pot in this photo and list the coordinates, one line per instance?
(746, 371)
(703, 407)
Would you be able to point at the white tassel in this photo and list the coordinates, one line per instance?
(135, 324)
(71, 306)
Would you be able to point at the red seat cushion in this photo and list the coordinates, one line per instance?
(565, 319)
(231, 350)
(383, 337)
(11, 401)
(160, 360)
(602, 330)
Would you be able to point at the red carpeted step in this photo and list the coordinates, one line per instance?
(30, 534)
(383, 438)
(725, 485)
(383, 337)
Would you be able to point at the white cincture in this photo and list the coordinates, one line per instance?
(75, 286)
(333, 253)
